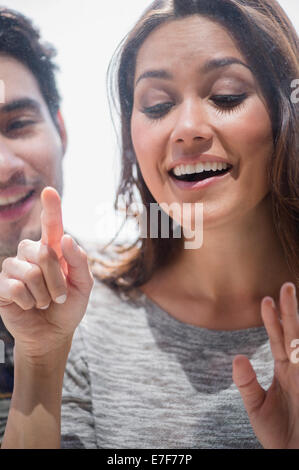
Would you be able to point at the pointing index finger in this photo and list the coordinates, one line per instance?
(51, 220)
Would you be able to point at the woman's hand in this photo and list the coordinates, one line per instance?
(274, 414)
(44, 290)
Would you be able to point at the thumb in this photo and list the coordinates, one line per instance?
(79, 274)
(244, 377)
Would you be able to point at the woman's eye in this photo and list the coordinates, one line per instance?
(157, 111)
(228, 101)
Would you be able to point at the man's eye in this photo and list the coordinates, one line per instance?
(19, 124)
(228, 101)
(157, 111)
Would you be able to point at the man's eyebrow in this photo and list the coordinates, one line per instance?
(207, 67)
(222, 62)
(21, 104)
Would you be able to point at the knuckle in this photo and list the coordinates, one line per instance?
(7, 263)
(33, 276)
(19, 295)
(16, 289)
(23, 245)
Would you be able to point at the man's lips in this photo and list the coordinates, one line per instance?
(21, 206)
(15, 191)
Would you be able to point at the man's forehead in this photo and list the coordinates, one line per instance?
(17, 80)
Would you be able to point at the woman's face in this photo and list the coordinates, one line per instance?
(195, 104)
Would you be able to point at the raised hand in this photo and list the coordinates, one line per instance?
(274, 414)
(44, 290)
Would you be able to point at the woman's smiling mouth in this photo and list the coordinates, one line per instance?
(199, 175)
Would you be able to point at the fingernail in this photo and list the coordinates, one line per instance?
(61, 299)
(44, 308)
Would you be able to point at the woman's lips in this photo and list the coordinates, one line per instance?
(18, 209)
(197, 185)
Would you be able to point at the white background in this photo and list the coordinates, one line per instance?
(86, 33)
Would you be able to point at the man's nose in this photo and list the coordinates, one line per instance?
(9, 162)
(192, 124)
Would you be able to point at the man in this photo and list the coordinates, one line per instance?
(32, 146)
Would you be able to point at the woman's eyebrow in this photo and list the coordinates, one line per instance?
(155, 74)
(210, 65)
(221, 62)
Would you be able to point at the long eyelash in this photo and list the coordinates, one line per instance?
(158, 111)
(230, 110)
(229, 105)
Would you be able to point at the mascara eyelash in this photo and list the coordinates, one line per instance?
(158, 111)
(230, 103)
(228, 106)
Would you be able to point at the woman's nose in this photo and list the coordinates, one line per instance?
(192, 124)
(9, 162)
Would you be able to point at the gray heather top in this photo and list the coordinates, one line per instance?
(139, 378)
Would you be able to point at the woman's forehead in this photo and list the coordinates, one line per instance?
(192, 37)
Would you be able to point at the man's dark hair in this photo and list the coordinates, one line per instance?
(20, 39)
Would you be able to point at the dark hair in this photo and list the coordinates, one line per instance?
(21, 40)
(268, 40)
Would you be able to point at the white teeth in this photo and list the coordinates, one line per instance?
(4, 201)
(199, 167)
(177, 171)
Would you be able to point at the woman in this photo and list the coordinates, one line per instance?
(207, 121)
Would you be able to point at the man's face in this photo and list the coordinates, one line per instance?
(31, 152)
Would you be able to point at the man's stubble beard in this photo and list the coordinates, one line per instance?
(32, 228)
(10, 247)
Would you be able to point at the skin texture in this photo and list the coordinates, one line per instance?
(42, 272)
(195, 125)
(238, 278)
(237, 223)
(30, 155)
(43, 336)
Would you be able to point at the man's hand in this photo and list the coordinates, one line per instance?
(44, 290)
(274, 414)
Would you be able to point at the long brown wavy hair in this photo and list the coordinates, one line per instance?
(268, 40)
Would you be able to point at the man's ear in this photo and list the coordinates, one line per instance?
(62, 131)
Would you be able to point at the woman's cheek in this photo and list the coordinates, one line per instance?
(256, 127)
(145, 144)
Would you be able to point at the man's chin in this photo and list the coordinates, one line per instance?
(31, 235)
(10, 248)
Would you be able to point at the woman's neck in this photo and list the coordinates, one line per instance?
(221, 284)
